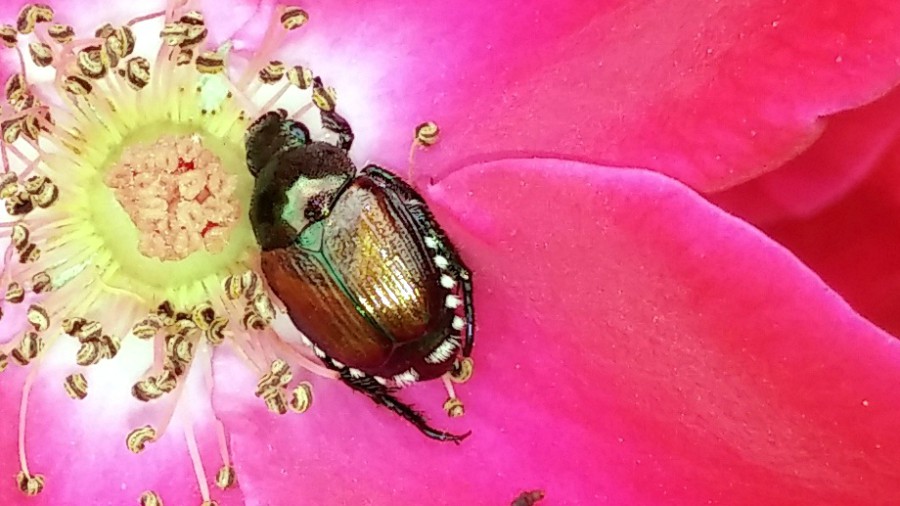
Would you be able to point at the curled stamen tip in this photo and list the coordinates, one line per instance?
(150, 498)
(293, 18)
(225, 478)
(138, 438)
(462, 370)
(302, 397)
(427, 133)
(30, 485)
(76, 386)
(454, 407)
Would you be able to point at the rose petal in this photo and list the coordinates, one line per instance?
(79, 446)
(712, 94)
(851, 243)
(851, 146)
(635, 346)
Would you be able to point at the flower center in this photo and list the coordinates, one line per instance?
(177, 195)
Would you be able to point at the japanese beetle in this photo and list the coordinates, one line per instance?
(365, 272)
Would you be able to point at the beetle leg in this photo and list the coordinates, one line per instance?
(382, 396)
(333, 121)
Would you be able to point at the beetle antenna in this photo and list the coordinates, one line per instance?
(380, 395)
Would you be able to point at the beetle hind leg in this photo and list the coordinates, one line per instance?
(381, 395)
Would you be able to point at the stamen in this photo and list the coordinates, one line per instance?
(197, 461)
(426, 135)
(452, 406)
(29, 484)
(462, 370)
(150, 498)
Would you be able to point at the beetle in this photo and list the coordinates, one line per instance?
(365, 272)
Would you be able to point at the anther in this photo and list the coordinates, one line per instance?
(20, 236)
(19, 204)
(30, 485)
(30, 253)
(38, 318)
(233, 287)
(147, 328)
(15, 88)
(32, 14)
(76, 386)
(41, 282)
(293, 18)
(46, 195)
(301, 397)
(300, 77)
(185, 57)
(252, 320)
(263, 306)
(215, 334)
(323, 98)
(14, 293)
(150, 498)
(8, 36)
(41, 53)
(8, 184)
(90, 330)
(73, 326)
(138, 438)
(454, 407)
(77, 85)
(250, 283)
(61, 33)
(137, 72)
(88, 354)
(225, 478)
(28, 349)
(275, 401)
(11, 130)
(427, 133)
(210, 62)
(93, 62)
(109, 346)
(4, 361)
(202, 315)
(272, 73)
(462, 370)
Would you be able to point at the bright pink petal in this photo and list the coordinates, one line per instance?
(635, 346)
(851, 146)
(712, 93)
(852, 244)
(79, 446)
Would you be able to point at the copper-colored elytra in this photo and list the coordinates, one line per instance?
(14, 293)
(77, 85)
(210, 63)
(31, 15)
(30, 485)
(272, 73)
(41, 282)
(8, 36)
(293, 18)
(61, 33)
(137, 72)
(300, 77)
(41, 53)
(76, 386)
(150, 498)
